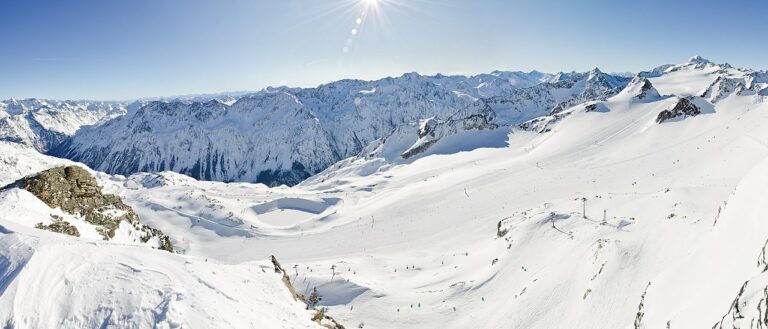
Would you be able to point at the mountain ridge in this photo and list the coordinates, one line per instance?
(284, 135)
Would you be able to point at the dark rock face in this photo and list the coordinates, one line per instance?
(295, 175)
(644, 89)
(75, 191)
(418, 150)
(683, 108)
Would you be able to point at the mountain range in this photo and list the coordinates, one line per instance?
(503, 200)
(284, 135)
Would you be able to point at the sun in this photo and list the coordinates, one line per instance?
(370, 2)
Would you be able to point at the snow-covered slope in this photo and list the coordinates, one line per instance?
(49, 281)
(284, 135)
(68, 200)
(52, 280)
(597, 215)
(495, 237)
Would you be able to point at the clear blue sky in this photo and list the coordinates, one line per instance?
(123, 49)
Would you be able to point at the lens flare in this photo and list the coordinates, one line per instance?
(370, 17)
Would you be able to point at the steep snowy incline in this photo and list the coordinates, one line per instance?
(284, 135)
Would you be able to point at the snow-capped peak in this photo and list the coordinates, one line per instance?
(641, 88)
(595, 72)
(698, 60)
(697, 63)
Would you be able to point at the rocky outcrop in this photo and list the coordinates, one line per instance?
(545, 123)
(75, 191)
(684, 108)
(642, 89)
(731, 319)
(59, 225)
(723, 87)
(432, 130)
(320, 317)
(638, 324)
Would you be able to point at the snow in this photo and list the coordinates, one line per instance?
(287, 212)
(485, 229)
(69, 284)
(284, 135)
(43, 124)
(17, 161)
(24, 208)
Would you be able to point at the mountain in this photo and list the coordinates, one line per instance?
(44, 124)
(224, 97)
(284, 135)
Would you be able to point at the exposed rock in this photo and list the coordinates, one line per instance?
(641, 89)
(479, 116)
(544, 124)
(286, 279)
(75, 191)
(501, 232)
(722, 87)
(683, 108)
(320, 317)
(641, 309)
(734, 312)
(59, 225)
(647, 89)
(761, 259)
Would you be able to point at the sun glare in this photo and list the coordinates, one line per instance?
(369, 20)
